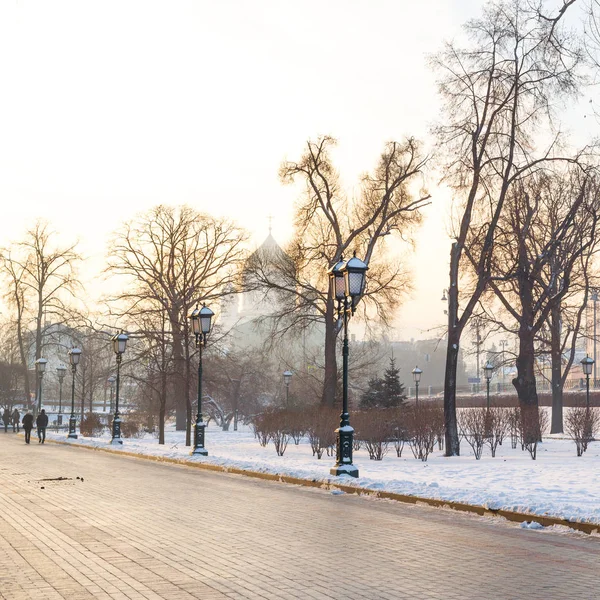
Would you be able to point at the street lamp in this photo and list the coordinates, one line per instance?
(40, 368)
(287, 378)
(74, 356)
(119, 342)
(347, 284)
(503, 344)
(111, 382)
(61, 371)
(587, 363)
(416, 373)
(201, 325)
(488, 370)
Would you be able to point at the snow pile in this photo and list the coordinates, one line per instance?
(557, 484)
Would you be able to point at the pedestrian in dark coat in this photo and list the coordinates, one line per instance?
(16, 419)
(42, 423)
(6, 419)
(27, 426)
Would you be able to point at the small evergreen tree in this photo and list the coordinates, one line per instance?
(373, 397)
(386, 392)
(393, 390)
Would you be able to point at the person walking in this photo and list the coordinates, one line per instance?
(42, 423)
(16, 419)
(6, 419)
(27, 426)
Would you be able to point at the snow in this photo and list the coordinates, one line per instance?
(557, 484)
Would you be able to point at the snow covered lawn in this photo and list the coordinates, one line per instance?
(557, 484)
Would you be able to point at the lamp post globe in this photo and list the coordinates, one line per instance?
(201, 320)
(346, 286)
(119, 344)
(416, 373)
(587, 364)
(61, 371)
(74, 357)
(355, 272)
(287, 379)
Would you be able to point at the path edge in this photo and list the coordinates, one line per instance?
(509, 515)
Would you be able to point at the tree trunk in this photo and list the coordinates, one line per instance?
(451, 426)
(524, 382)
(179, 378)
(330, 379)
(557, 385)
(163, 403)
(187, 390)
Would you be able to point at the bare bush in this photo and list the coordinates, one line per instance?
(320, 430)
(533, 424)
(375, 431)
(514, 425)
(497, 426)
(400, 435)
(131, 427)
(91, 425)
(296, 425)
(260, 426)
(474, 426)
(580, 424)
(421, 430)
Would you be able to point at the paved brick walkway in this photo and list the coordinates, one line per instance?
(141, 530)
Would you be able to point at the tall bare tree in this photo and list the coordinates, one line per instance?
(499, 88)
(329, 225)
(547, 230)
(42, 278)
(172, 258)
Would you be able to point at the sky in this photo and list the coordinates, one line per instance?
(111, 107)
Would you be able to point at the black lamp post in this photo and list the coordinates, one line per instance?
(74, 356)
(111, 382)
(587, 363)
(40, 368)
(287, 378)
(347, 284)
(119, 343)
(416, 373)
(201, 324)
(61, 371)
(488, 370)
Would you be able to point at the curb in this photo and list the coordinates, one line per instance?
(509, 515)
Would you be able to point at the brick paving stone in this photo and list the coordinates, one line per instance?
(141, 530)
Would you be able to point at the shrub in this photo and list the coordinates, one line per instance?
(91, 425)
(375, 431)
(580, 423)
(260, 426)
(131, 427)
(474, 425)
(422, 429)
(497, 426)
(320, 429)
(296, 424)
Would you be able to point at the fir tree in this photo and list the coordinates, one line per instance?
(393, 390)
(386, 392)
(373, 397)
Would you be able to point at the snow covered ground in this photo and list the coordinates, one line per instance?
(557, 484)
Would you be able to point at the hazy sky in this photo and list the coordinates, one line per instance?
(108, 108)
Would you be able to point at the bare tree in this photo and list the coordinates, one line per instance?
(171, 259)
(41, 277)
(498, 89)
(329, 226)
